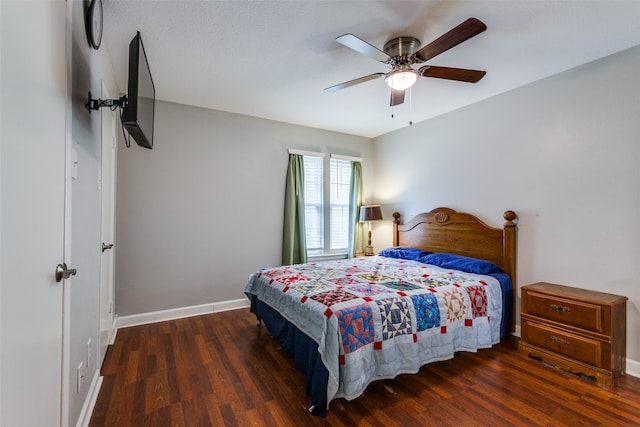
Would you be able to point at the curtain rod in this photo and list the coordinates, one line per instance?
(350, 158)
(305, 153)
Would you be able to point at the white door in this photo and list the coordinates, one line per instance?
(32, 210)
(107, 185)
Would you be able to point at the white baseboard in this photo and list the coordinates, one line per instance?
(114, 331)
(633, 368)
(90, 401)
(179, 313)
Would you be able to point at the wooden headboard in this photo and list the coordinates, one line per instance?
(445, 230)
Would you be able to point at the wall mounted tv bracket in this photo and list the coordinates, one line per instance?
(113, 104)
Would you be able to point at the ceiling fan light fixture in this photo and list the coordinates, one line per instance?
(401, 79)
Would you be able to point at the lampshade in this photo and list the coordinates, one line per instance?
(370, 213)
(402, 79)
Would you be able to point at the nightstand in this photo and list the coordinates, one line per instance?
(581, 331)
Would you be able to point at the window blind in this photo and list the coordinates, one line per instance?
(313, 200)
(340, 183)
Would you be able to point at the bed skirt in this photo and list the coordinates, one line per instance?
(302, 349)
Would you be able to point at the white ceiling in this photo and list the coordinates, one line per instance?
(272, 59)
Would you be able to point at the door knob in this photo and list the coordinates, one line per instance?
(105, 247)
(62, 272)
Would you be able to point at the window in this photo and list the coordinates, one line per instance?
(326, 212)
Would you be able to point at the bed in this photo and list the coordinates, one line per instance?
(446, 285)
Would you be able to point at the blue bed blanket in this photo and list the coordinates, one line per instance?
(376, 317)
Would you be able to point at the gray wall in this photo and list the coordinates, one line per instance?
(562, 152)
(202, 210)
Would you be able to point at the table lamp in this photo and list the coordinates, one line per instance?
(370, 213)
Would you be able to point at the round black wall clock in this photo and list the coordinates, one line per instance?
(94, 23)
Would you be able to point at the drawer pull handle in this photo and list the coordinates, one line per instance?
(559, 341)
(560, 308)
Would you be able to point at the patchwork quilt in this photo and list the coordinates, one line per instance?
(377, 317)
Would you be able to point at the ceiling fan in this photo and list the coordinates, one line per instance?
(402, 52)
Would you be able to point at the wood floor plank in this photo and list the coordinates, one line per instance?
(604, 411)
(224, 369)
(157, 394)
(213, 409)
(132, 367)
(176, 412)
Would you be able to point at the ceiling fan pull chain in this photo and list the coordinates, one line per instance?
(410, 107)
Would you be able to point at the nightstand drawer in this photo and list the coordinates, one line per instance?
(576, 347)
(566, 311)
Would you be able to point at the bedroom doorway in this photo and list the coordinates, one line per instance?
(108, 191)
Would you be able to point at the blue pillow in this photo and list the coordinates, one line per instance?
(462, 263)
(403, 252)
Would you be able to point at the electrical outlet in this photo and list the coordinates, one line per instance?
(79, 377)
(89, 354)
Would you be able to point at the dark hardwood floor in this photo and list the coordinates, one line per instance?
(224, 370)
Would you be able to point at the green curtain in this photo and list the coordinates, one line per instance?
(356, 199)
(294, 245)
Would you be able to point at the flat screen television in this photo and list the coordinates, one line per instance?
(137, 113)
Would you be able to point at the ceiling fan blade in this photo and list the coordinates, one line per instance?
(353, 82)
(469, 28)
(397, 97)
(460, 74)
(361, 46)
